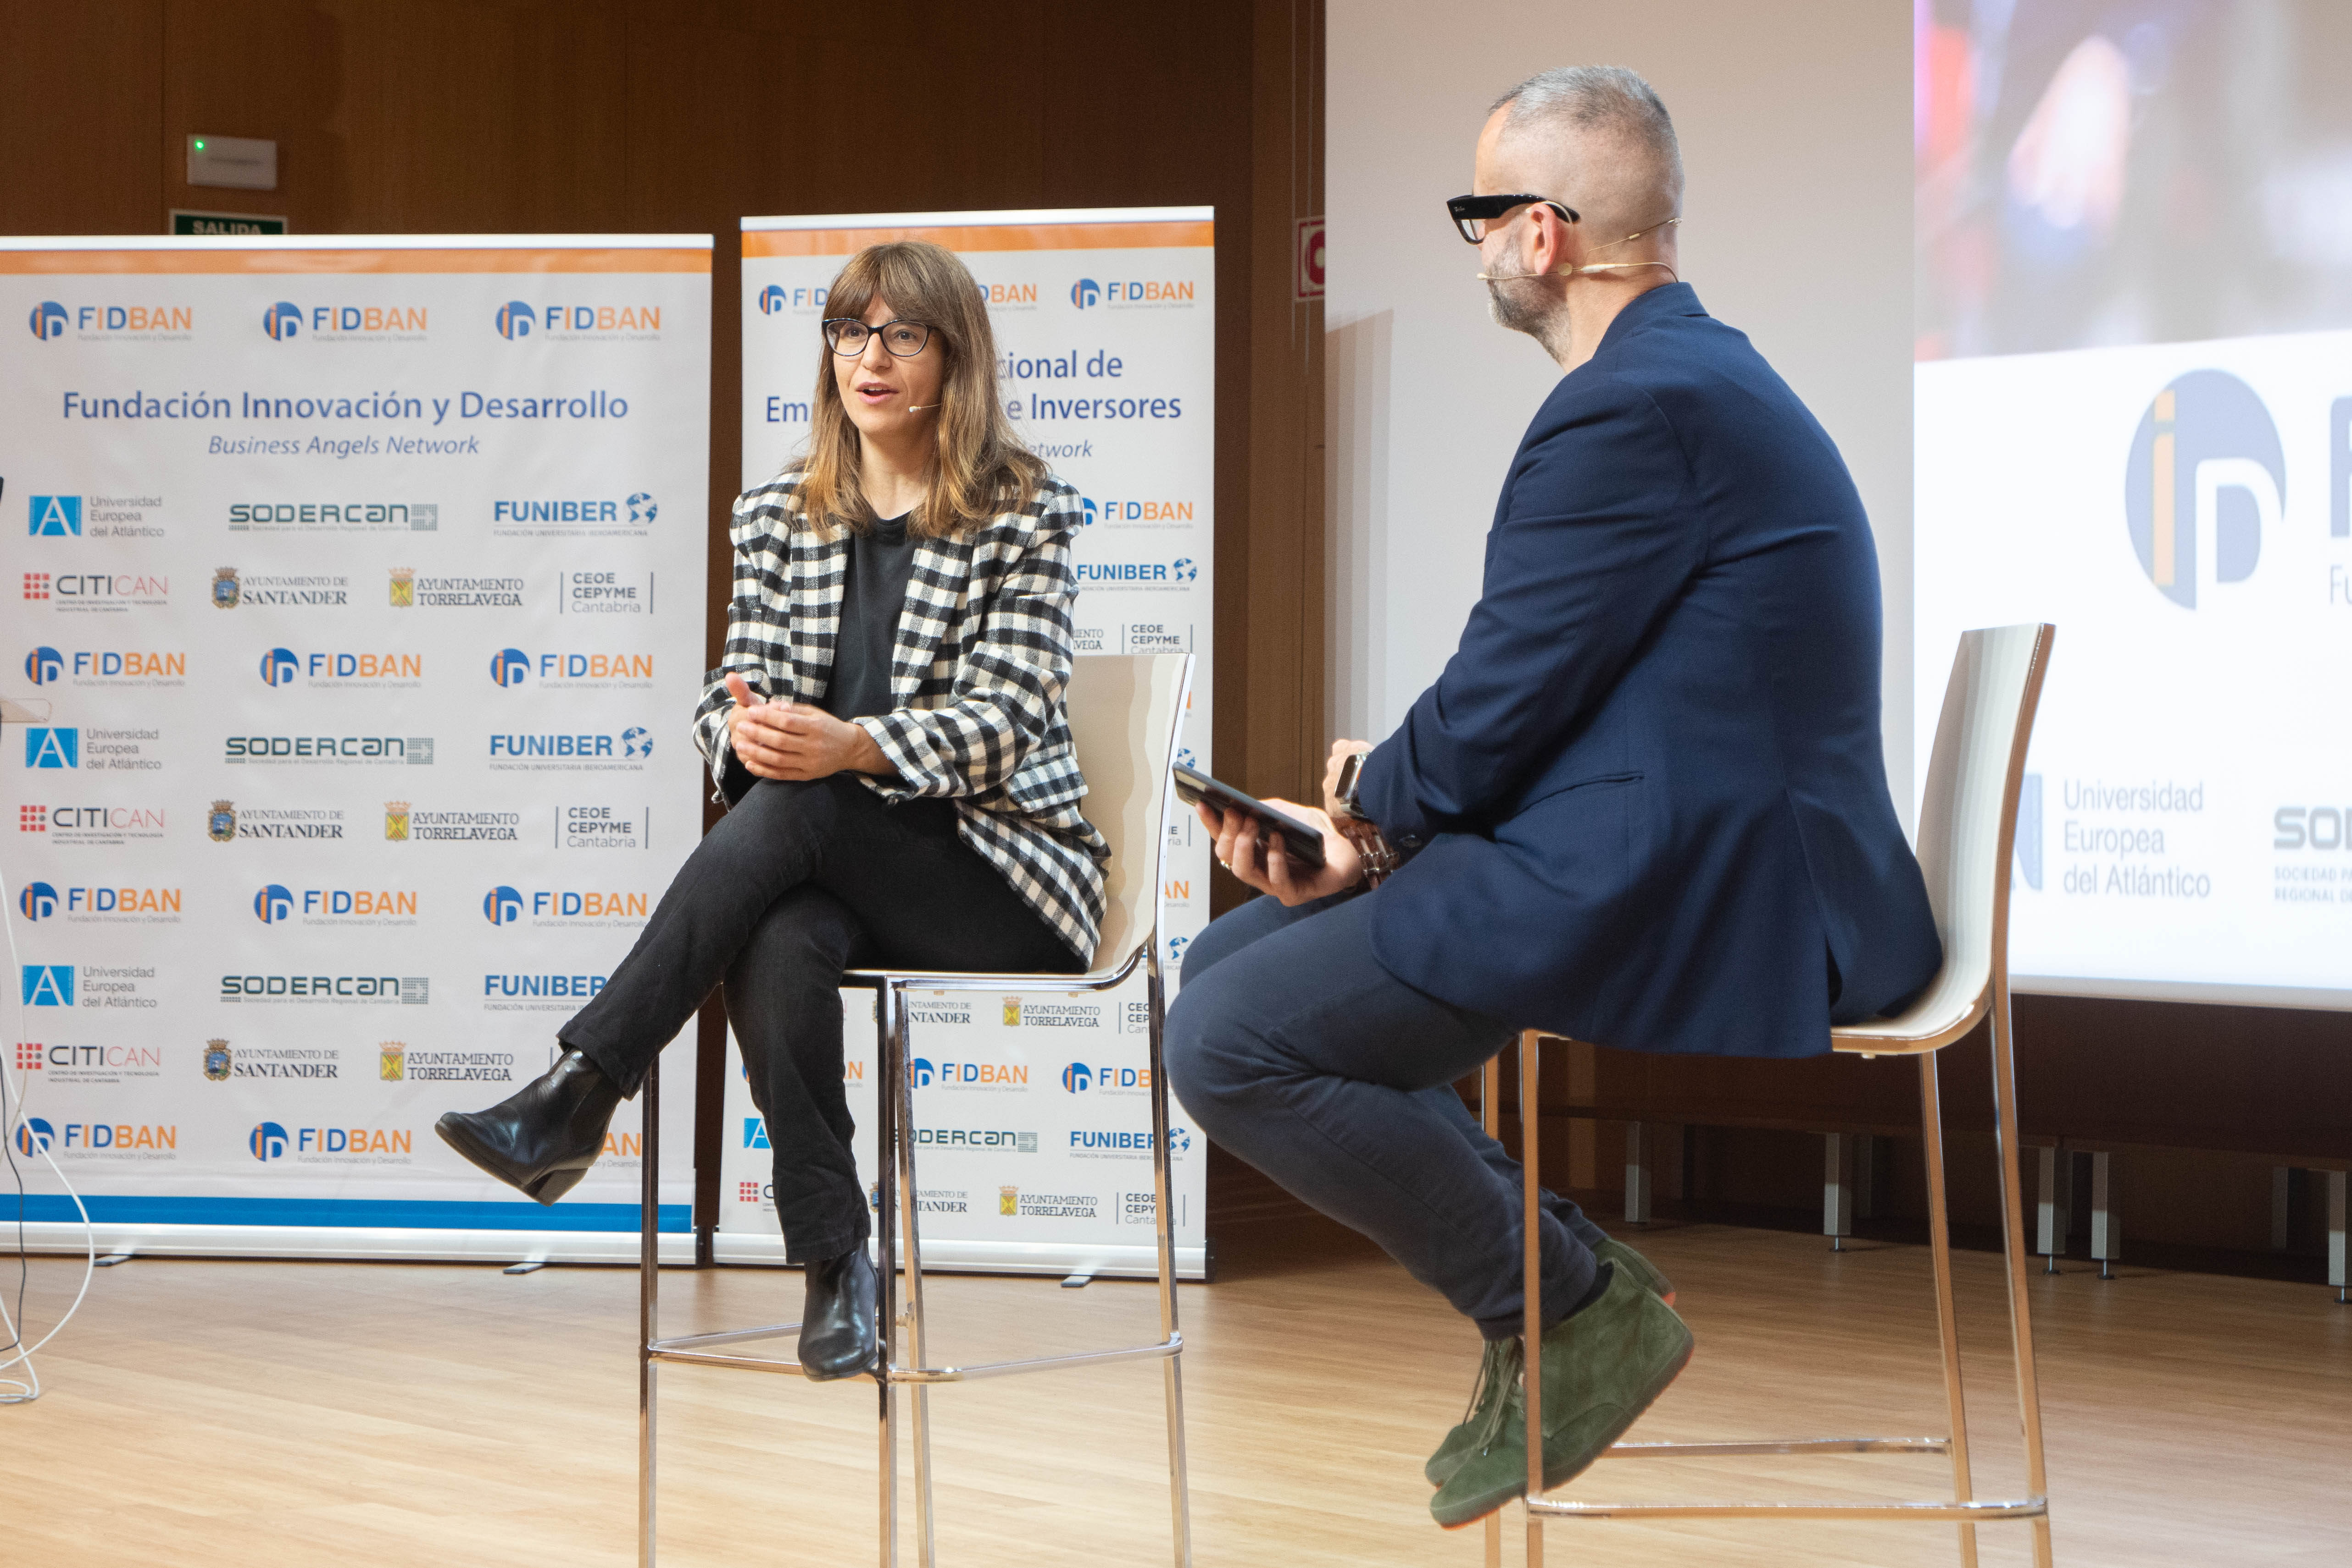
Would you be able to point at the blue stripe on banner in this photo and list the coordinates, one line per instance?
(365, 1213)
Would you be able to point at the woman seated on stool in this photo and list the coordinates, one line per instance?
(887, 726)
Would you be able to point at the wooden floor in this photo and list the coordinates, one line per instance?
(205, 1413)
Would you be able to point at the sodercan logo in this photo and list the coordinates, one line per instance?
(282, 321)
(49, 319)
(2206, 481)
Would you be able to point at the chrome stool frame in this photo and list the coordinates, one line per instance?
(1125, 714)
(896, 1207)
(1967, 825)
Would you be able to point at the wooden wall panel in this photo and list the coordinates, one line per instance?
(80, 105)
(518, 116)
(1283, 734)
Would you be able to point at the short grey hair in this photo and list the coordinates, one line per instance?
(1610, 99)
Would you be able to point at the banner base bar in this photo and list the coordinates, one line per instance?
(1060, 1260)
(357, 1244)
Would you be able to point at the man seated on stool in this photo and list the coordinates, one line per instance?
(1644, 805)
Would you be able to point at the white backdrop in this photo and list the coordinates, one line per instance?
(1106, 338)
(1795, 127)
(364, 577)
(2181, 832)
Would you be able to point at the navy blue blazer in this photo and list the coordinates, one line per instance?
(1648, 788)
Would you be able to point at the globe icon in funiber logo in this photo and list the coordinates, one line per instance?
(2206, 481)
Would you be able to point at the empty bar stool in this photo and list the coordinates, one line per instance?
(1124, 712)
(1967, 825)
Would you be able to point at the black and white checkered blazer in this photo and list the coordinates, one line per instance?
(982, 658)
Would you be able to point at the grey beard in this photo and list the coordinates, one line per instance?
(1530, 312)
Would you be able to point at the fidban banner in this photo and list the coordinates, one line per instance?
(1033, 1124)
(362, 578)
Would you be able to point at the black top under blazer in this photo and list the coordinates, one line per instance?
(1648, 787)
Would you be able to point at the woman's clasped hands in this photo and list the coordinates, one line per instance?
(794, 741)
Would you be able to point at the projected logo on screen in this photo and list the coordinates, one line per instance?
(2206, 481)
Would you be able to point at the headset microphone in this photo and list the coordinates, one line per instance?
(919, 407)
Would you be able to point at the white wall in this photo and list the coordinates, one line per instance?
(1796, 133)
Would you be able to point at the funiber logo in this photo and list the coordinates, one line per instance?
(2207, 479)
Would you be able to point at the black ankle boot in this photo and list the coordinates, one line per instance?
(838, 1318)
(543, 1138)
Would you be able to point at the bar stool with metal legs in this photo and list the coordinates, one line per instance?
(1124, 712)
(1967, 825)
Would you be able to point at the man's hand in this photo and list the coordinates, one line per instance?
(794, 741)
(1340, 751)
(1257, 853)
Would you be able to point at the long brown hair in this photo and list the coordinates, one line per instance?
(981, 467)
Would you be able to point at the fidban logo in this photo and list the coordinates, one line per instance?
(2206, 481)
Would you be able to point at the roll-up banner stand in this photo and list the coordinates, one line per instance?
(1031, 1112)
(364, 579)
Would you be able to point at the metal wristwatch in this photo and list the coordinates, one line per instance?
(1379, 857)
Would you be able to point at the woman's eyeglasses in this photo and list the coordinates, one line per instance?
(1472, 215)
(847, 336)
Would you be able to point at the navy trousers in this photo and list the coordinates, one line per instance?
(1292, 1048)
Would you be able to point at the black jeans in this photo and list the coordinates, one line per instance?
(1294, 1048)
(797, 883)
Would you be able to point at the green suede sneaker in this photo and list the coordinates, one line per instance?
(1499, 1367)
(1498, 1374)
(1645, 1273)
(1601, 1369)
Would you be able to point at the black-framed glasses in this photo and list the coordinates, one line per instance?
(847, 336)
(1472, 215)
